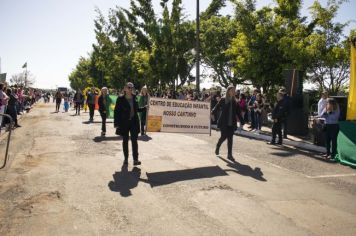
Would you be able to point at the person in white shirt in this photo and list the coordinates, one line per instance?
(322, 103)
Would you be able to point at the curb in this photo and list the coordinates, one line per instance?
(262, 137)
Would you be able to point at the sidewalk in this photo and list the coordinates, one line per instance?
(265, 135)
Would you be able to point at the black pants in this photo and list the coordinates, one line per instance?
(285, 128)
(143, 124)
(91, 111)
(277, 130)
(331, 138)
(125, 143)
(11, 111)
(58, 103)
(253, 121)
(77, 108)
(227, 133)
(103, 122)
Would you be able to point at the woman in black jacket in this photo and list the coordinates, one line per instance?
(79, 100)
(230, 110)
(126, 121)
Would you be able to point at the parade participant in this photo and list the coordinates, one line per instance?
(258, 107)
(58, 97)
(103, 102)
(227, 120)
(322, 103)
(278, 117)
(91, 96)
(66, 102)
(78, 100)
(142, 100)
(126, 121)
(331, 115)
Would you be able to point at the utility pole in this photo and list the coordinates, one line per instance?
(197, 49)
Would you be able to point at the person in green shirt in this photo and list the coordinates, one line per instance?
(142, 100)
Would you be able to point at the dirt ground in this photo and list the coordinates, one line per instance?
(64, 179)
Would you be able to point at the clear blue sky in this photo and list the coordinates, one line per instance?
(51, 35)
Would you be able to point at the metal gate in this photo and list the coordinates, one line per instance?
(5, 142)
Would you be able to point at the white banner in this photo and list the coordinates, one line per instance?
(178, 116)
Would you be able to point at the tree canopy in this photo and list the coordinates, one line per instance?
(252, 46)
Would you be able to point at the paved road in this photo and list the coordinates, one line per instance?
(64, 179)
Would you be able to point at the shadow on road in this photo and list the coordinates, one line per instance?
(144, 138)
(99, 139)
(169, 177)
(285, 151)
(244, 170)
(124, 181)
(96, 122)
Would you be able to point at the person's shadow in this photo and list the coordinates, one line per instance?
(124, 181)
(244, 170)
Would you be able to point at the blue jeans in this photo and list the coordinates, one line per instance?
(258, 120)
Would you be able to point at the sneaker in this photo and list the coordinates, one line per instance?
(137, 163)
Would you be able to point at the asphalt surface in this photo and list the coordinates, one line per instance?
(64, 179)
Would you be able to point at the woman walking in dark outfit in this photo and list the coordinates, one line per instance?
(230, 110)
(103, 101)
(59, 97)
(79, 100)
(126, 121)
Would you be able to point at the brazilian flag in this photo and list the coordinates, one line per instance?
(111, 106)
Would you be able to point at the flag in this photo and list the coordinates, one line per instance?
(351, 107)
(24, 65)
(111, 106)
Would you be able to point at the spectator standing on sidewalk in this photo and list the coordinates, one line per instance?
(278, 117)
(286, 105)
(103, 103)
(331, 115)
(250, 104)
(11, 108)
(91, 96)
(126, 122)
(322, 103)
(258, 107)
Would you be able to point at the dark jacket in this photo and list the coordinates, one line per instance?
(278, 112)
(224, 115)
(80, 100)
(122, 115)
(102, 106)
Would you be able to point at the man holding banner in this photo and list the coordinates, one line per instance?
(126, 121)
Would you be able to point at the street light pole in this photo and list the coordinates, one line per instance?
(197, 49)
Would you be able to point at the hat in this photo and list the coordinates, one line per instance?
(130, 85)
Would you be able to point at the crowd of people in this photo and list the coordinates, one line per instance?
(14, 101)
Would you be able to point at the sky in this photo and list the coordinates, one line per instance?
(51, 35)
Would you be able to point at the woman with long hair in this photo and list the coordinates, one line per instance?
(227, 120)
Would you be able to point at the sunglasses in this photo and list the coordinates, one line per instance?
(130, 87)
